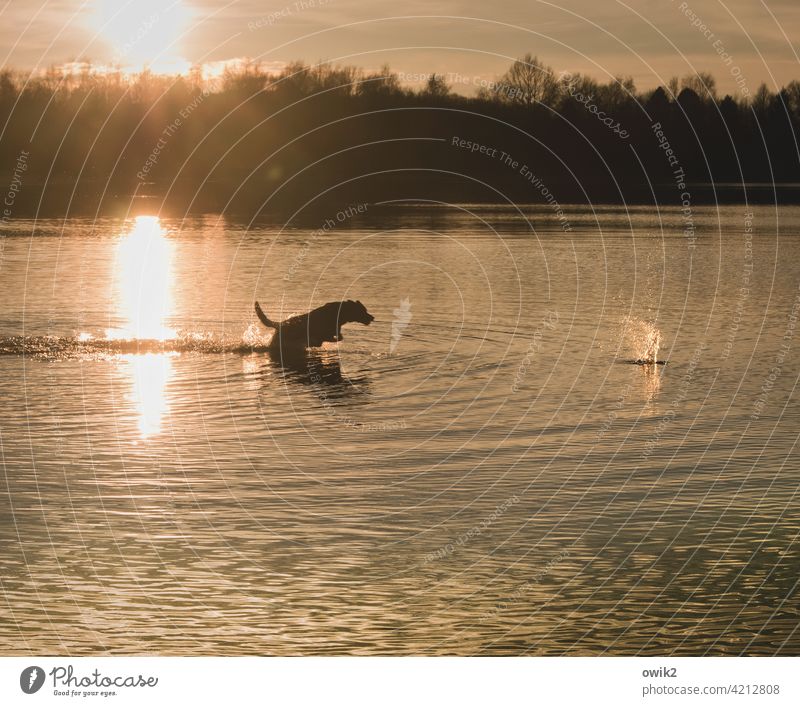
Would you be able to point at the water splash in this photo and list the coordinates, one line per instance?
(644, 340)
(85, 345)
(652, 344)
(255, 337)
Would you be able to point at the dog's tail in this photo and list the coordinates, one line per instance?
(264, 318)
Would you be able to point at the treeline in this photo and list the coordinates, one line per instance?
(253, 140)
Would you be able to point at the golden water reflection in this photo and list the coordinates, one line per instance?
(143, 273)
(143, 300)
(150, 373)
(652, 381)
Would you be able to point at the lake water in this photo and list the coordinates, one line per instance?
(483, 470)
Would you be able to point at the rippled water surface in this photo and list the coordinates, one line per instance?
(481, 471)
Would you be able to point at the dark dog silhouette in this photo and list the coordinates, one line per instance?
(311, 330)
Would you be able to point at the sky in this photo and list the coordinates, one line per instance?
(741, 42)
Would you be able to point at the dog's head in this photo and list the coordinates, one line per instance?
(355, 311)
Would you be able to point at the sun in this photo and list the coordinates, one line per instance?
(143, 33)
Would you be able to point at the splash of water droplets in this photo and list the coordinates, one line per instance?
(644, 340)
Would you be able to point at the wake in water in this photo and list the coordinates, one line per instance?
(83, 345)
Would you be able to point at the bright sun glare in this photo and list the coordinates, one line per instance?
(144, 301)
(143, 33)
(144, 281)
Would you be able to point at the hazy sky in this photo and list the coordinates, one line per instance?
(742, 42)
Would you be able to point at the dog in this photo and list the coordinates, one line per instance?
(316, 327)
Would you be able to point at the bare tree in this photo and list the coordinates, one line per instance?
(580, 83)
(342, 79)
(527, 82)
(674, 87)
(793, 96)
(246, 77)
(702, 83)
(384, 82)
(617, 93)
(436, 87)
(762, 98)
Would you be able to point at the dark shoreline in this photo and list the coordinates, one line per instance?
(247, 202)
